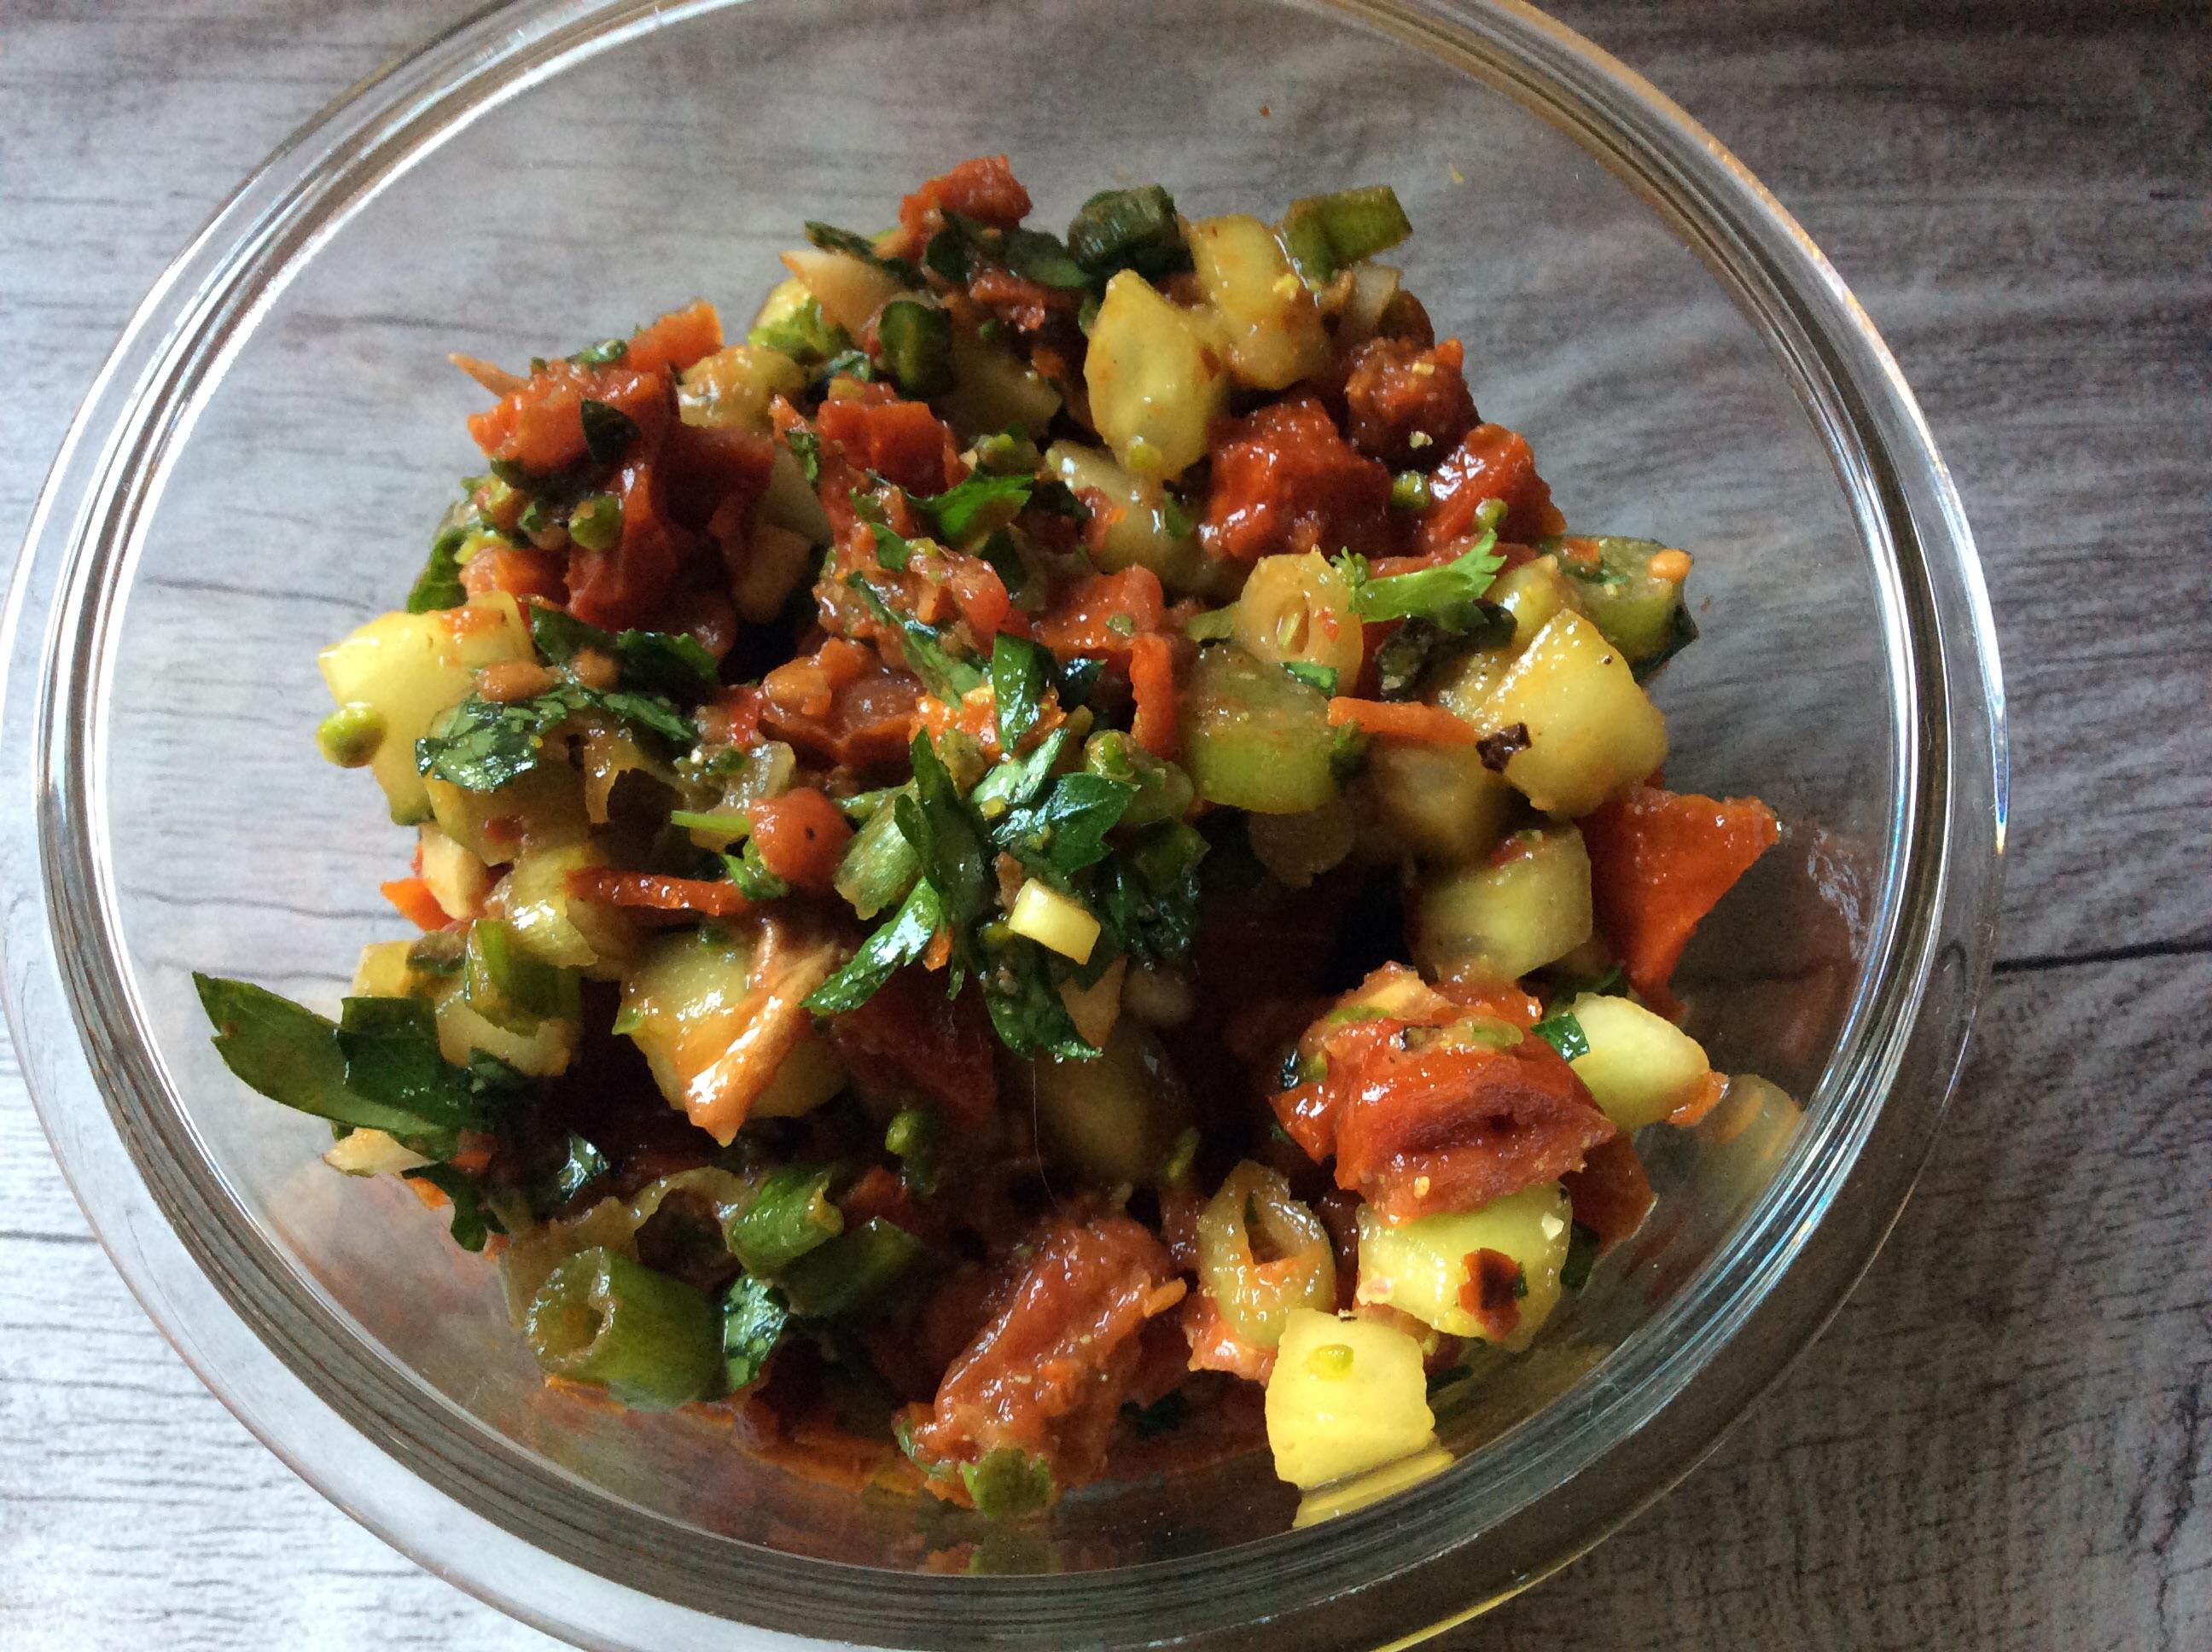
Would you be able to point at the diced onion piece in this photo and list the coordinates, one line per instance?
(1641, 1066)
(1345, 1396)
(1418, 1267)
(372, 1153)
(849, 291)
(1053, 921)
(459, 880)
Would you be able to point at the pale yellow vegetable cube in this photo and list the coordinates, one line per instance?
(1158, 378)
(546, 805)
(1532, 593)
(408, 668)
(849, 291)
(689, 998)
(459, 880)
(1419, 1266)
(1043, 914)
(1347, 1396)
(1514, 911)
(1641, 1066)
(1591, 728)
(1440, 803)
(384, 971)
(1273, 326)
(1137, 535)
(731, 390)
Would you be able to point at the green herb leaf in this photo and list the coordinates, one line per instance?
(671, 663)
(1027, 1010)
(901, 941)
(945, 833)
(1323, 678)
(575, 1166)
(1036, 256)
(481, 744)
(752, 876)
(791, 1215)
(439, 584)
(382, 1071)
(603, 353)
(473, 1220)
(830, 238)
(608, 431)
(1078, 676)
(892, 552)
(948, 676)
(1017, 683)
(1146, 893)
(1018, 780)
(1064, 831)
(1562, 1033)
(805, 447)
(1447, 595)
(954, 513)
(754, 1319)
(1008, 1482)
(802, 332)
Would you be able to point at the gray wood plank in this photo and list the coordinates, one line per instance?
(1999, 1442)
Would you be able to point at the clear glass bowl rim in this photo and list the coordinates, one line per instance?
(479, 1515)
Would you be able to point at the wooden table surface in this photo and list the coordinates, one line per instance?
(2002, 1441)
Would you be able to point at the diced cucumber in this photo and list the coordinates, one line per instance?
(1641, 1066)
(1274, 330)
(1347, 1396)
(408, 668)
(1140, 535)
(1113, 1121)
(509, 987)
(1591, 729)
(1514, 912)
(1156, 379)
(541, 1052)
(1631, 605)
(1439, 804)
(1418, 1267)
(1255, 738)
(994, 389)
(1532, 593)
(544, 806)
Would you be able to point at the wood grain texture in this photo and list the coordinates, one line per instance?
(2001, 1441)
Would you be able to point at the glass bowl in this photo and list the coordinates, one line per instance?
(256, 470)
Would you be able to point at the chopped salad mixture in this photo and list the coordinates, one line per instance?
(1054, 860)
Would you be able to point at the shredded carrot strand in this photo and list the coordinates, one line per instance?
(1403, 720)
(416, 904)
(645, 888)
